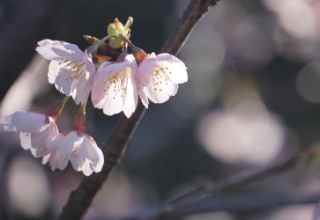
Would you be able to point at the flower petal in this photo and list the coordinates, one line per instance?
(56, 160)
(146, 69)
(66, 142)
(173, 68)
(72, 78)
(159, 90)
(38, 140)
(115, 88)
(54, 50)
(29, 122)
(77, 160)
(93, 153)
(82, 87)
(25, 140)
(54, 70)
(86, 168)
(144, 98)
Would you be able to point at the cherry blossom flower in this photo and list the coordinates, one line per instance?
(159, 77)
(70, 69)
(79, 148)
(55, 159)
(115, 87)
(75, 145)
(34, 128)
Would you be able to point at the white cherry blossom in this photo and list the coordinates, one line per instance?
(159, 77)
(34, 128)
(79, 148)
(55, 159)
(70, 69)
(115, 87)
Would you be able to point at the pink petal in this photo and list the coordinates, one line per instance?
(64, 80)
(146, 70)
(29, 122)
(65, 142)
(38, 140)
(174, 68)
(25, 140)
(86, 168)
(143, 97)
(54, 50)
(115, 88)
(82, 88)
(54, 69)
(56, 160)
(77, 160)
(73, 78)
(93, 153)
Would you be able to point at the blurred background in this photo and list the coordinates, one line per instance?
(252, 100)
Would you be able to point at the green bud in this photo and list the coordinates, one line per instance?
(117, 29)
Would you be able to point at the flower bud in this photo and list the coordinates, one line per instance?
(117, 29)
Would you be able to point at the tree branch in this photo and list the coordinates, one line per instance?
(80, 199)
(208, 189)
(248, 202)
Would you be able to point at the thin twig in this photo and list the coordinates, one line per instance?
(248, 202)
(206, 190)
(80, 199)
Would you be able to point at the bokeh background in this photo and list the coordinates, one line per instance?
(252, 100)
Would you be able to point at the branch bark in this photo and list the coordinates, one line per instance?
(80, 199)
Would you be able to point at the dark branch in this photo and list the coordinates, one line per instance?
(208, 189)
(249, 202)
(80, 199)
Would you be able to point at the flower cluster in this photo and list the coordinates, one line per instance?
(39, 133)
(116, 81)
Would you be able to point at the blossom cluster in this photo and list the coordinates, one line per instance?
(115, 86)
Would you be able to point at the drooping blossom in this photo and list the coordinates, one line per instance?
(159, 77)
(115, 87)
(34, 128)
(70, 69)
(77, 146)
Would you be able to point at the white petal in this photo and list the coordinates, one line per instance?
(174, 68)
(159, 89)
(64, 79)
(115, 88)
(77, 160)
(146, 70)
(59, 161)
(86, 168)
(46, 159)
(58, 49)
(93, 153)
(66, 142)
(143, 97)
(25, 140)
(73, 78)
(87, 59)
(82, 87)
(38, 140)
(54, 69)
(56, 160)
(29, 122)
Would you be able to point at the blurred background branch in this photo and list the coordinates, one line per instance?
(209, 189)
